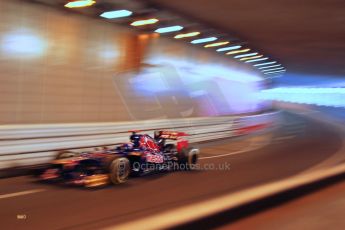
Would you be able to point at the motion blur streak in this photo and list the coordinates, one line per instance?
(212, 86)
(334, 97)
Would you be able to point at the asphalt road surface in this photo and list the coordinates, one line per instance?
(298, 146)
(323, 209)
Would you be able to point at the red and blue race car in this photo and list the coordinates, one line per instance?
(142, 155)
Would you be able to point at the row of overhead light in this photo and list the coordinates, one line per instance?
(243, 54)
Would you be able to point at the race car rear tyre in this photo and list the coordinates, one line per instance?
(188, 158)
(119, 170)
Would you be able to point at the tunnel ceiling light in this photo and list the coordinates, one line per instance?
(187, 35)
(245, 55)
(237, 51)
(168, 29)
(268, 70)
(271, 66)
(266, 63)
(274, 72)
(229, 48)
(255, 60)
(249, 58)
(79, 3)
(216, 44)
(203, 40)
(145, 22)
(116, 14)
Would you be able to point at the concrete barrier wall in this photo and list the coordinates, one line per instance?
(22, 145)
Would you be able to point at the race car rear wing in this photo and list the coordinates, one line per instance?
(172, 135)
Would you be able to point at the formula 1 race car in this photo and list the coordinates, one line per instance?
(143, 154)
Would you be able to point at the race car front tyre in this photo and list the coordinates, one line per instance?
(119, 170)
(188, 158)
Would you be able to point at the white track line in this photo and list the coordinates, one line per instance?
(27, 192)
(228, 154)
(251, 147)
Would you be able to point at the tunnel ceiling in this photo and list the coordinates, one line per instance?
(307, 36)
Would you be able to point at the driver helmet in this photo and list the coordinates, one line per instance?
(135, 139)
